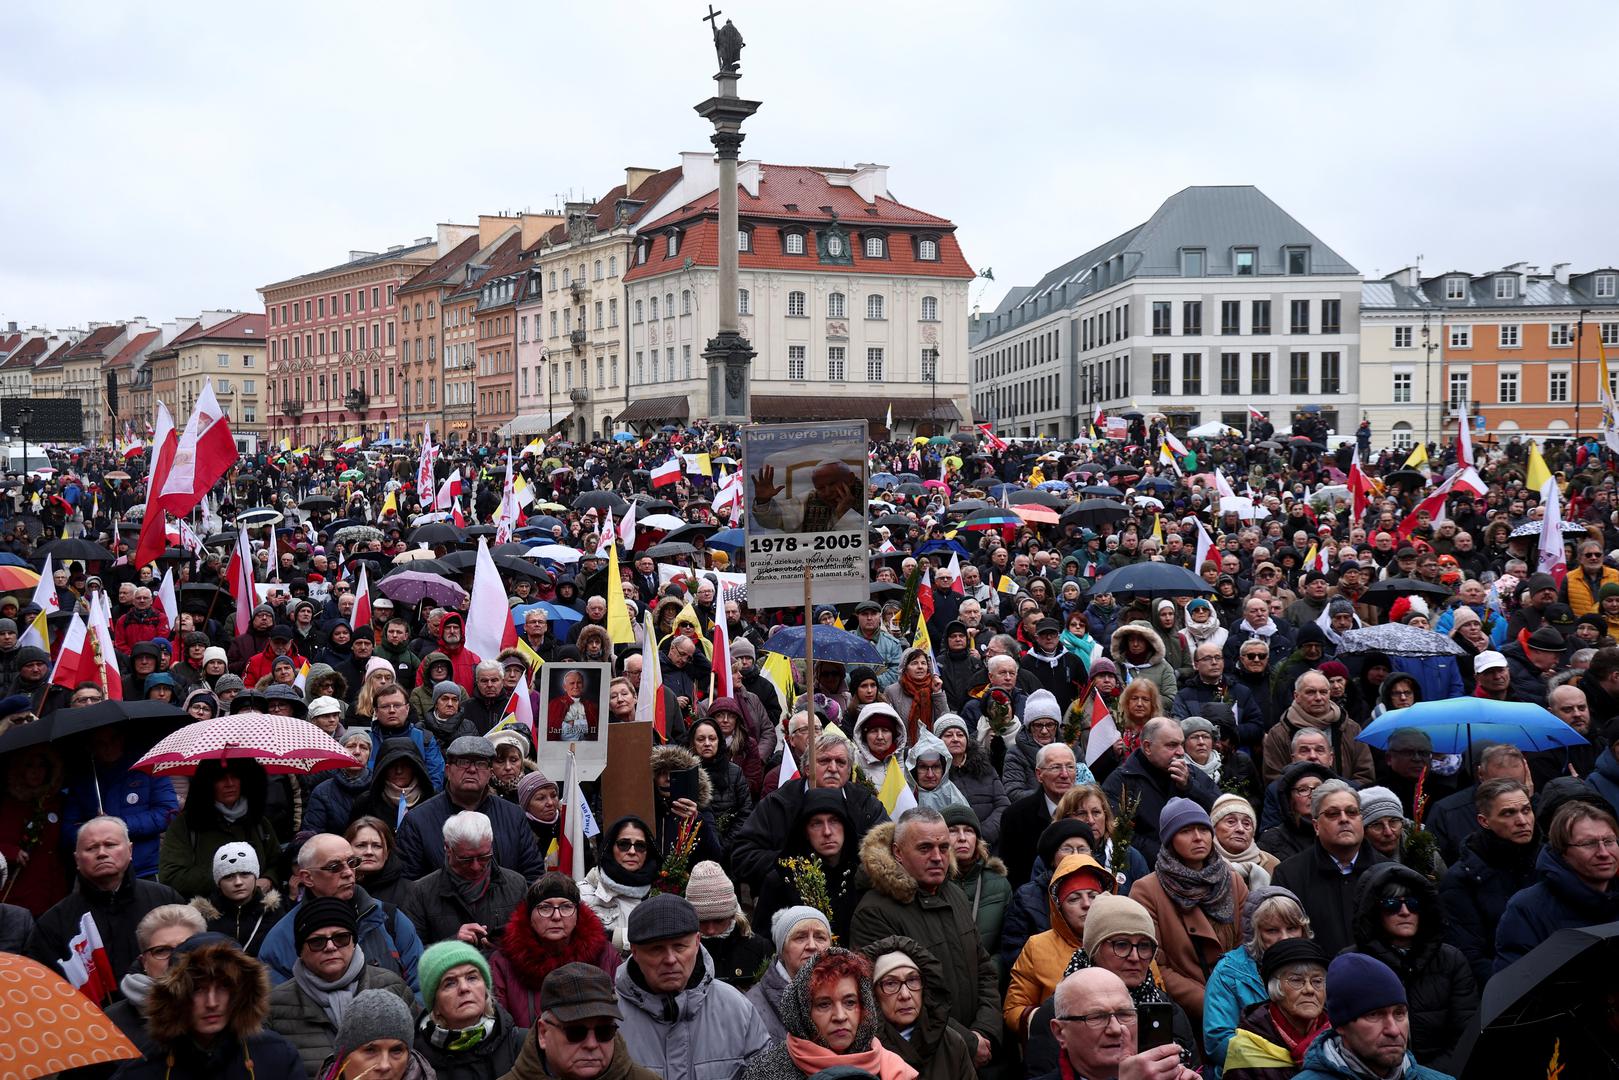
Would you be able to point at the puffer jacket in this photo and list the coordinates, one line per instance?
(933, 1048)
(493, 1055)
(941, 920)
(946, 793)
(612, 903)
(1040, 966)
(1155, 670)
(1439, 988)
(331, 803)
(1234, 986)
(1559, 899)
(1018, 772)
(387, 937)
(1474, 893)
(146, 804)
(707, 1031)
(247, 923)
(299, 1019)
(421, 697)
(989, 893)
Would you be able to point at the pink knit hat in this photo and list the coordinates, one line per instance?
(711, 892)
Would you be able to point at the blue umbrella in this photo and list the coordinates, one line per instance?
(952, 546)
(1055, 486)
(884, 480)
(8, 559)
(995, 491)
(555, 612)
(832, 645)
(623, 436)
(1454, 724)
(546, 522)
(1157, 483)
(727, 538)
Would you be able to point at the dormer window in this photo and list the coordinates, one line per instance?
(928, 251)
(1298, 261)
(1506, 287)
(1192, 262)
(834, 246)
(744, 241)
(876, 247)
(793, 243)
(1607, 286)
(1246, 262)
(640, 260)
(672, 245)
(1455, 288)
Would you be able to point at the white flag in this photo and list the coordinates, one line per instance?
(1552, 560)
(45, 592)
(165, 597)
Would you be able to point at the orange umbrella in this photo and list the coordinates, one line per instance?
(1033, 512)
(18, 578)
(46, 1026)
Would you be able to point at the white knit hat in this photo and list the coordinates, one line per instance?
(235, 859)
(891, 961)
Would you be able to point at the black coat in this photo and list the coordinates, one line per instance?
(1328, 895)
(421, 837)
(494, 1055)
(1153, 787)
(116, 915)
(437, 911)
(1474, 894)
(1440, 990)
(732, 801)
(1021, 827)
(757, 844)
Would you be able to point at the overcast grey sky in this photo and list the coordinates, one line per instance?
(165, 158)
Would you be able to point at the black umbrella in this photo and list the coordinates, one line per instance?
(886, 588)
(695, 532)
(208, 594)
(74, 549)
(968, 506)
(457, 561)
(667, 550)
(64, 723)
(965, 437)
(909, 478)
(1038, 497)
(1094, 512)
(318, 502)
(1408, 478)
(1151, 579)
(1102, 491)
(434, 532)
(1125, 470)
(1088, 467)
(1385, 592)
(511, 547)
(1132, 414)
(894, 521)
(475, 531)
(647, 504)
(511, 564)
(914, 490)
(601, 500)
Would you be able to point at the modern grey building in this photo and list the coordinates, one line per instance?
(1220, 300)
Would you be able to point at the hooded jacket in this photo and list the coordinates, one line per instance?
(757, 845)
(933, 1048)
(706, 1031)
(186, 857)
(1439, 987)
(779, 891)
(330, 806)
(981, 785)
(946, 794)
(777, 1062)
(1156, 669)
(243, 1051)
(961, 673)
(427, 750)
(1040, 966)
(877, 771)
(1559, 899)
(374, 801)
(1324, 1061)
(386, 936)
(462, 659)
(942, 920)
(732, 800)
(421, 697)
(611, 900)
(671, 757)
(523, 960)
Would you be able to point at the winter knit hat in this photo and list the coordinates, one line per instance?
(1462, 616)
(1356, 984)
(447, 686)
(325, 706)
(214, 652)
(742, 647)
(785, 920)
(1041, 705)
(227, 683)
(1377, 803)
(1112, 915)
(319, 911)
(949, 720)
(235, 859)
(530, 783)
(1178, 814)
(890, 962)
(1229, 804)
(440, 958)
(711, 892)
(373, 1015)
(377, 663)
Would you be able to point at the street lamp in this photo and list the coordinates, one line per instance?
(25, 417)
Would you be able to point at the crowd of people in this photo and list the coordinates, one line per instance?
(1137, 835)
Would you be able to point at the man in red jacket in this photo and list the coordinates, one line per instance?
(141, 622)
(452, 633)
(281, 644)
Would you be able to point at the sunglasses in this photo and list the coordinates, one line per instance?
(576, 1033)
(630, 845)
(1392, 904)
(336, 865)
(321, 942)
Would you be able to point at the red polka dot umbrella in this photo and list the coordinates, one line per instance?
(46, 1026)
(282, 744)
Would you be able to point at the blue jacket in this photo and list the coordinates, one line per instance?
(331, 803)
(1474, 894)
(1234, 986)
(145, 803)
(1437, 676)
(421, 837)
(426, 746)
(1557, 901)
(387, 938)
(1605, 777)
(1319, 1064)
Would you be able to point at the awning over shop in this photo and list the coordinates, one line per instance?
(533, 423)
(646, 410)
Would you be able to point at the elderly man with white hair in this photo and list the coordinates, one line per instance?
(1097, 1030)
(471, 897)
(142, 622)
(1055, 772)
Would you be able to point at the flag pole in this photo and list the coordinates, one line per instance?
(809, 668)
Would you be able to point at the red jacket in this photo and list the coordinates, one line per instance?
(462, 659)
(259, 667)
(132, 628)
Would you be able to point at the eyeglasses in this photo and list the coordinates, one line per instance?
(891, 985)
(159, 952)
(471, 763)
(556, 911)
(630, 845)
(336, 865)
(1596, 843)
(577, 1033)
(1299, 982)
(1391, 904)
(1097, 1021)
(1122, 949)
(474, 859)
(321, 942)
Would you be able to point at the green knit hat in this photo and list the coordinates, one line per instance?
(441, 957)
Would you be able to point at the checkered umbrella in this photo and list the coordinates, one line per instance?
(282, 744)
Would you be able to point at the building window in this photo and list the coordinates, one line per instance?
(1259, 373)
(1559, 334)
(834, 363)
(671, 246)
(1461, 337)
(1607, 286)
(1460, 390)
(1191, 373)
(874, 306)
(1160, 374)
(1231, 316)
(1230, 373)
(1506, 287)
(1508, 386)
(639, 312)
(1331, 316)
(1402, 436)
(928, 251)
(612, 312)
(1192, 317)
(1261, 317)
(795, 305)
(1610, 334)
(874, 365)
(795, 363)
(1298, 261)
(834, 246)
(1402, 387)
(744, 240)
(1510, 335)
(930, 365)
(1557, 387)
(930, 309)
(834, 305)
(1455, 288)
(1246, 262)
(1160, 317)
(1298, 373)
(685, 359)
(874, 247)
(1299, 317)
(742, 305)
(1192, 261)
(793, 243)
(1331, 373)
(1402, 337)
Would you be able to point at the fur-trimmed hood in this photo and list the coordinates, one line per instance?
(270, 900)
(672, 758)
(887, 876)
(168, 1005)
(1155, 644)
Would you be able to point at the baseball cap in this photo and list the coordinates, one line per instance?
(1487, 660)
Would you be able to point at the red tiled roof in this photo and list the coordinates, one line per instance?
(54, 360)
(605, 208)
(96, 342)
(782, 188)
(700, 244)
(10, 342)
(30, 351)
(249, 326)
(437, 273)
(502, 261)
(136, 346)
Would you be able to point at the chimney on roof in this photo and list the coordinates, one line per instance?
(396, 247)
(634, 177)
(1409, 276)
(1560, 273)
(534, 226)
(450, 236)
(11, 327)
(356, 256)
(870, 181)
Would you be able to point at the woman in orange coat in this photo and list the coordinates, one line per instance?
(1195, 899)
(1075, 884)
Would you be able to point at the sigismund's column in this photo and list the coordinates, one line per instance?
(728, 353)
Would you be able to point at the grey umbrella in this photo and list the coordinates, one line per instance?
(1398, 639)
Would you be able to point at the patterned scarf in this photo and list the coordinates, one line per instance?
(921, 718)
(454, 1039)
(1208, 887)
